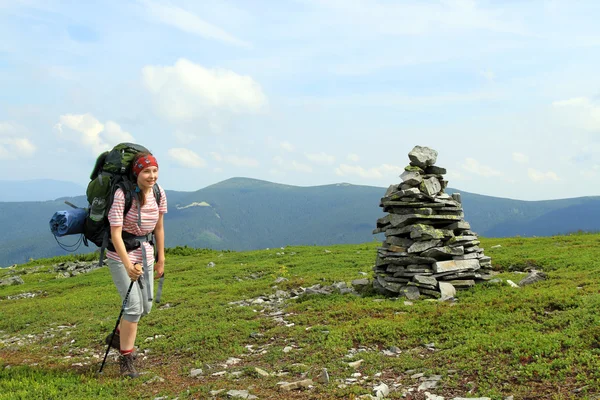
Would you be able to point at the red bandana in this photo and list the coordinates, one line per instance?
(143, 163)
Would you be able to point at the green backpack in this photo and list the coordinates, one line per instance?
(112, 171)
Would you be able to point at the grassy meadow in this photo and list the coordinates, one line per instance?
(537, 342)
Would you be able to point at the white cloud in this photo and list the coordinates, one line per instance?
(241, 161)
(235, 160)
(296, 166)
(188, 91)
(488, 74)
(353, 157)
(538, 176)
(473, 166)
(321, 158)
(383, 171)
(12, 143)
(416, 18)
(581, 112)
(520, 158)
(86, 130)
(190, 23)
(455, 176)
(287, 146)
(114, 134)
(276, 172)
(184, 137)
(186, 158)
(289, 165)
(587, 173)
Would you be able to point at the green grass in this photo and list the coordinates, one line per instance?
(536, 342)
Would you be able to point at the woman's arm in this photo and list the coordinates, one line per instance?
(133, 270)
(159, 234)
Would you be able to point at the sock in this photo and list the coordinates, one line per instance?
(125, 352)
(118, 330)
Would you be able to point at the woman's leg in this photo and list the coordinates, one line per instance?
(131, 315)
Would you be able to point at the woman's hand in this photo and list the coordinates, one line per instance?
(135, 271)
(159, 268)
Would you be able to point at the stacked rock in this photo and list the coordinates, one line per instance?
(429, 248)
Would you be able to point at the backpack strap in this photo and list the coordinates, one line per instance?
(157, 194)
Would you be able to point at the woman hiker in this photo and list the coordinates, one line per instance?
(144, 218)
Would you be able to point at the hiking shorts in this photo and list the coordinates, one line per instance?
(138, 302)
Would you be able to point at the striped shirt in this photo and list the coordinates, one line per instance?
(150, 213)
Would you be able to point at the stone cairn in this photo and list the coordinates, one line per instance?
(429, 248)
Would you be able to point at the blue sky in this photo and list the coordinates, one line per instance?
(307, 92)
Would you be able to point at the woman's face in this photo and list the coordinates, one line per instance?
(147, 177)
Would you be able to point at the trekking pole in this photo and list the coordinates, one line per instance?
(116, 326)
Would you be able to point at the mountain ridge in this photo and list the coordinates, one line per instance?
(246, 214)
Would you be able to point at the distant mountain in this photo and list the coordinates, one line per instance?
(244, 214)
(38, 190)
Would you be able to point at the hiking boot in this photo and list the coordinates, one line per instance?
(127, 368)
(116, 341)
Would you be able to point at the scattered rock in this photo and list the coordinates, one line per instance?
(13, 280)
(261, 372)
(240, 394)
(303, 384)
(323, 377)
(533, 277)
(196, 373)
(381, 390)
(211, 265)
(430, 382)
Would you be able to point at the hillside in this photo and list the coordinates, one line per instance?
(245, 214)
(216, 325)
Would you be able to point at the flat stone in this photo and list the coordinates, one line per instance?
(410, 260)
(418, 247)
(391, 287)
(455, 265)
(410, 292)
(458, 239)
(421, 286)
(425, 280)
(473, 249)
(397, 249)
(446, 251)
(398, 241)
(434, 169)
(462, 283)
(459, 225)
(469, 256)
